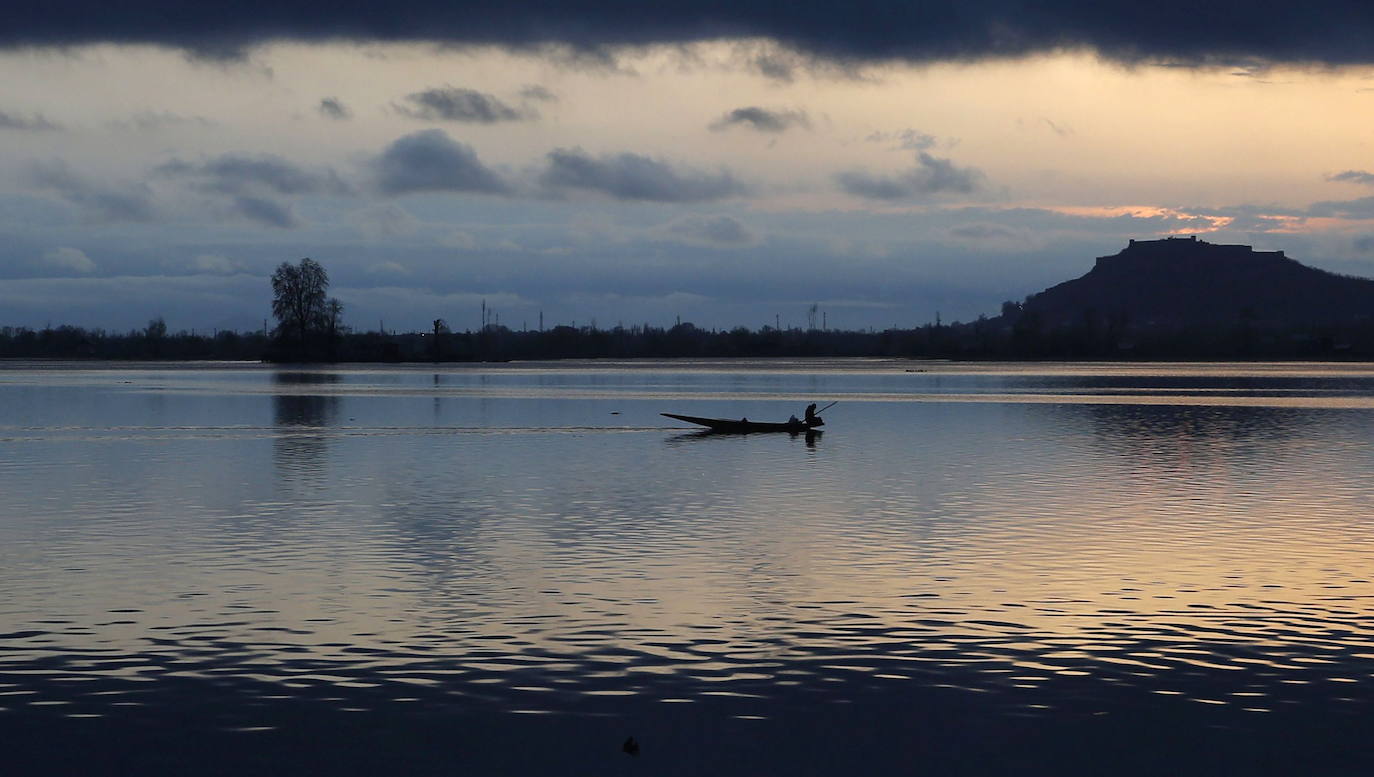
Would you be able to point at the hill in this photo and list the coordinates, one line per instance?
(1189, 283)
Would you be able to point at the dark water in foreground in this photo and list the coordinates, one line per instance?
(993, 569)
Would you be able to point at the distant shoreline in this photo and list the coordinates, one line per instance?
(916, 364)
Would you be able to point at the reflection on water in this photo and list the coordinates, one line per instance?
(809, 437)
(301, 416)
(971, 572)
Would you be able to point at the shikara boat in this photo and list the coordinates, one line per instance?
(745, 426)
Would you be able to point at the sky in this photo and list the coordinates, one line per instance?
(613, 163)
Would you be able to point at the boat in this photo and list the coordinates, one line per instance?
(745, 426)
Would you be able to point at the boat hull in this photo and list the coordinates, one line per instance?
(741, 426)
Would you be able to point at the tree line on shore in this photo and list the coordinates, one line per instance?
(984, 340)
(310, 329)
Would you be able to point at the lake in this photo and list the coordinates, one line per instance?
(977, 569)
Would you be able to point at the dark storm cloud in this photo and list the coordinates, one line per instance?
(333, 108)
(1353, 176)
(35, 123)
(1324, 31)
(127, 202)
(761, 119)
(431, 161)
(931, 175)
(452, 103)
(635, 177)
(241, 175)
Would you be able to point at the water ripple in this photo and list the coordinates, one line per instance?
(984, 568)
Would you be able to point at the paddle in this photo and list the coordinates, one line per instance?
(827, 407)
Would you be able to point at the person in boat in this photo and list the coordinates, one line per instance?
(811, 418)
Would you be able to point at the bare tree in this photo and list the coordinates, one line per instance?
(299, 302)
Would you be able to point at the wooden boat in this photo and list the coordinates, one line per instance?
(744, 426)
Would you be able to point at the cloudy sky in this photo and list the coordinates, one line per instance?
(726, 162)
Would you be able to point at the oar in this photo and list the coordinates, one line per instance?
(827, 407)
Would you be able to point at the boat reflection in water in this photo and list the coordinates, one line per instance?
(811, 436)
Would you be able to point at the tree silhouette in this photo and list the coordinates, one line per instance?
(333, 317)
(155, 332)
(440, 329)
(304, 314)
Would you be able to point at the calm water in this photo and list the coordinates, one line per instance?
(986, 569)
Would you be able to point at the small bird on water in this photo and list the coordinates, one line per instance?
(631, 747)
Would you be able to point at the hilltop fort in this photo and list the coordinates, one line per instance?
(1186, 282)
(1181, 297)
